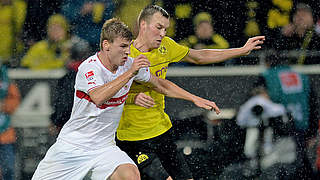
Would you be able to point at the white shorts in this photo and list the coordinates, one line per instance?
(64, 161)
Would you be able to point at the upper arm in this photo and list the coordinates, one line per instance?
(192, 56)
(196, 56)
(154, 80)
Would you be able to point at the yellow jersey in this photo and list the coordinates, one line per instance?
(139, 123)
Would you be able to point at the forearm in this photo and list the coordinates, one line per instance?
(170, 89)
(209, 56)
(103, 93)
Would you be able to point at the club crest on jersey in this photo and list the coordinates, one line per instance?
(162, 49)
(89, 75)
(141, 158)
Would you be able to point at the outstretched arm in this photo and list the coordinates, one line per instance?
(170, 89)
(208, 56)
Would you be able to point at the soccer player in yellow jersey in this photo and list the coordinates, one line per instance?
(145, 128)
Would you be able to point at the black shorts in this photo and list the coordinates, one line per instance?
(163, 147)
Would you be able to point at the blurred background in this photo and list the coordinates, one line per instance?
(260, 134)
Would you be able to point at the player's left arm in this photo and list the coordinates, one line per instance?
(208, 56)
(170, 89)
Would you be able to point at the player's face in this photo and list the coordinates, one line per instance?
(118, 51)
(56, 32)
(156, 29)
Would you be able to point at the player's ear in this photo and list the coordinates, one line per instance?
(143, 24)
(106, 45)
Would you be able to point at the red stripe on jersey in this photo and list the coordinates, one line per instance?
(110, 103)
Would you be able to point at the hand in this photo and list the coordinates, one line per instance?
(139, 62)
(206, 104)
(144, 100)
(253, 44)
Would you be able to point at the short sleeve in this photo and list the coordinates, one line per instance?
(143, 75)
(176, 51)
(88, 78)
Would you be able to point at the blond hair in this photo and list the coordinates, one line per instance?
(112, 29)
(150, 10)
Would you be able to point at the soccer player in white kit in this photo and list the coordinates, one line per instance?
(87, 141)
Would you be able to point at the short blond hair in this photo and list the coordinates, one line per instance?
(112, 29)
(149, 11)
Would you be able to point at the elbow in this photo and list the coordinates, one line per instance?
(163, 86)
(97, 97)
(199, 60)
(97, 101)
(197, 57)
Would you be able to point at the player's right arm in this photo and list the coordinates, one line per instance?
(102, 93)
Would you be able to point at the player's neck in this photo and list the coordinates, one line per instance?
(141, 45)
(105, 60)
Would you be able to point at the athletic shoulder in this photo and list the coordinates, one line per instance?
(171, 44)
(90, 62)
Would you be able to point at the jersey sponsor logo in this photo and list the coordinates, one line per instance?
(89, 75)
(161, 71)
(290, 82)
(110, 103)
(141, 158)
(162, 49)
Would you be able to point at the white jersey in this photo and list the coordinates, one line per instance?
(91, 126)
